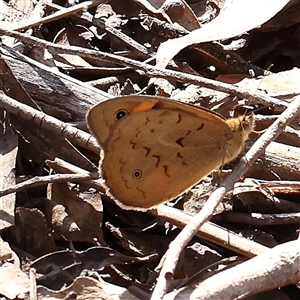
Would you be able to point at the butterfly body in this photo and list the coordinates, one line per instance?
(160, 148)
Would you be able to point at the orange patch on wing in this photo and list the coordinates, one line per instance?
(143, 107)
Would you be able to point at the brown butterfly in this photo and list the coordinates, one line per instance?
(156, 148)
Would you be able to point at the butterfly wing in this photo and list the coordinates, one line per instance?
(102, 117)
(156, 155)
(156, 148)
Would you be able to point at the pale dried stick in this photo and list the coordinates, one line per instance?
(61, 166)
(40, 180)
(260, 220)
(121, 36)
(276, 267)
(64, 12)
(32, 280)
(216, 197)
(211, 232)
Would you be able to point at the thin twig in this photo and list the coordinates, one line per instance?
(259, 219)
(216, 197)
(121, 36)
(211, 232)
(61, 166)
(41, 180)
(150, 70)
(64, 12)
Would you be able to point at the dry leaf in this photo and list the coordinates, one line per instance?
(13, 281)
(87, 289)
(83, 209)
(235, 18)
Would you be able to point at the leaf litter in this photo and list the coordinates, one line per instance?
(78, 241)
